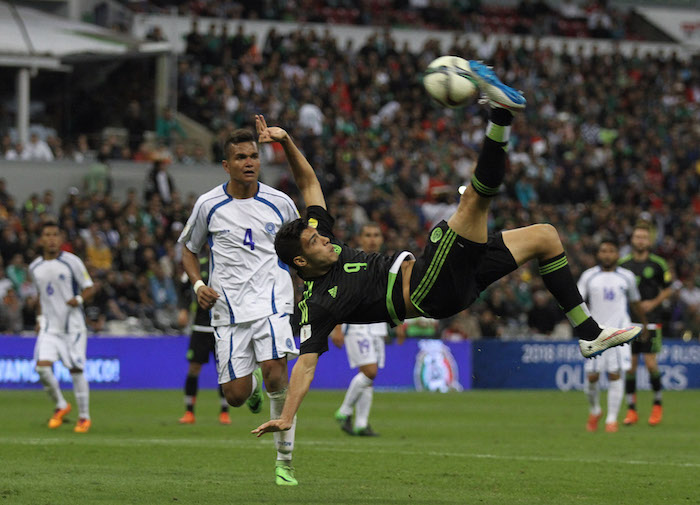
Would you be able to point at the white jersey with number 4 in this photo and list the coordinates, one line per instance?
(57, 281)
(608, 294)
(244, 269)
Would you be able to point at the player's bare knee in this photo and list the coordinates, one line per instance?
(369, 371)
(547, 238)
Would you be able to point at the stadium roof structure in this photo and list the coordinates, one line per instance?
(35, 39)
(32, 40)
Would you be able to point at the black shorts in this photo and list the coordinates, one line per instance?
(652, 345)
(201, 345)
(453, 271)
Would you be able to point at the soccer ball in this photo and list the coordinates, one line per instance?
(447, 79)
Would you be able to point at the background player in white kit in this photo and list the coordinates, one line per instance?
(250, 294)
(63, 284)
(364, 344)
(608, 290)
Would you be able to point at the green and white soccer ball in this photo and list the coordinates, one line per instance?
(448, 80)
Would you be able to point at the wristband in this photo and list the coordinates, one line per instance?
(79, 299)
(198, 285)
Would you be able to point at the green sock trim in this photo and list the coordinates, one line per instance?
(482, 188)
(577, 315)
(497, 132)
(555, 265)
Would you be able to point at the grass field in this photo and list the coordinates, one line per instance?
(500, 447)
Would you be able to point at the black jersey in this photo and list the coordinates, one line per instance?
(652, 276)
(357, 289)
(187, 298)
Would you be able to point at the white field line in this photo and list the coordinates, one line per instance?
(319, 445)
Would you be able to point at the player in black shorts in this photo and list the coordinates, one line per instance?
(201, 346)
(344, 285)
(654, 282)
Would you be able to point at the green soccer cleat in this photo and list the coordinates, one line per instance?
(284, 474)
(340, 417)
(255, 401)
(367, 431)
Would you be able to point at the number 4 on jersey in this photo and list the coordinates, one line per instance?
(248, 239)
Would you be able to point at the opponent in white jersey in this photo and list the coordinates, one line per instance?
(609, 290)
(63, 284)
(250, 294)
(364, 344)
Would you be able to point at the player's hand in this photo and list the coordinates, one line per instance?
(338, 339)
(207, 297)
(647, 306)
(645, 335)
(271, 426)
(268, 134)
(73, 302)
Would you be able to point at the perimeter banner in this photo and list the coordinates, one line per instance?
(159, 363)
(559, 365)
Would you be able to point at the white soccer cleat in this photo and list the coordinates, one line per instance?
(608, 337)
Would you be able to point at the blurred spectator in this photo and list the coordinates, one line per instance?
(10, 311)
(37, 149)
(544, 314)
(167, 126)
(135, 125)
(98, 178)
(159, 182)
(164, 296)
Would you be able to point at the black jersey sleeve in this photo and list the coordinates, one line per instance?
(313, 333)
(320, 219)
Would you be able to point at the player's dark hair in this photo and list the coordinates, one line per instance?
(642, 225)
(238, 136)
(609, 239)
(370, 224)
(48, 224)
(288, 241)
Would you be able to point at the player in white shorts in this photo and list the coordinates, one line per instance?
(364, 344)
(608, 290)
(63, 284)
(250, 294)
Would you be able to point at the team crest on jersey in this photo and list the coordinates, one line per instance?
(62, 277)
(435, 368)
(436, 235)
(648, 272)
(270, 228)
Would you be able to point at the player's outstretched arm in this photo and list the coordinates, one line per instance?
(299, 384)
(303, 172)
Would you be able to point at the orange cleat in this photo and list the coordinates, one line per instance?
(592, 424)
(657, 412)
(611, 427)
(188, 418)
(224, 418)
(57, 417)
(631, 418)
(83, 426)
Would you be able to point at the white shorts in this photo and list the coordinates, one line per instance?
(614, 360)
(240, 347)
(364, 350)
(69, 348)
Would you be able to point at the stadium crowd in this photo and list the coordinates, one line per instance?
(570, 18)
(606, 140)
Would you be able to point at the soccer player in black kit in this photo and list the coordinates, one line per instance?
(344, 285)
(654, 283)
(201, 346)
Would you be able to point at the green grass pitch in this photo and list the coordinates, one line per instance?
(491, 447)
